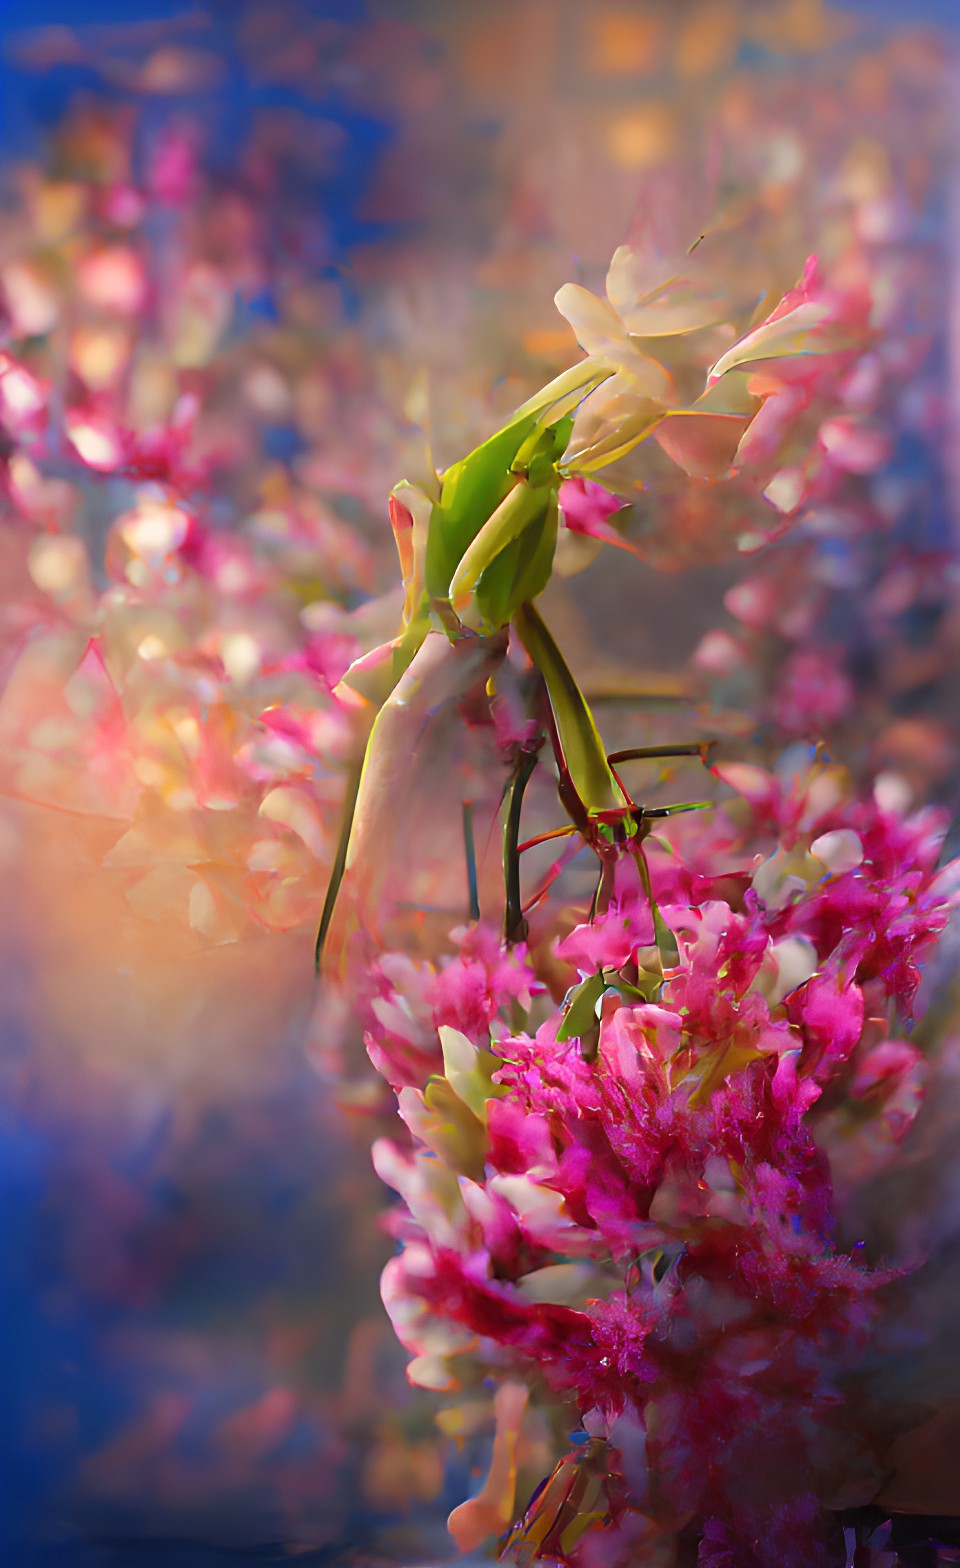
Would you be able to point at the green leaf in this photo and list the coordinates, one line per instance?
(469, 1071)
(581, 1013)
(449, 1127)
(647, 988)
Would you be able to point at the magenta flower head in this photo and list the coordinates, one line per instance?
(646, 1238)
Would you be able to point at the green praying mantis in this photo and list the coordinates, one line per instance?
(477, 549)
(474, 557)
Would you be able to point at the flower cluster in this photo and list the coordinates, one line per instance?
(850, 614)
(772, 418)
(647, 1231)
(170, 653)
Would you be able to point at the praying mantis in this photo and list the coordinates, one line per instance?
(477, 547)
(474, 555)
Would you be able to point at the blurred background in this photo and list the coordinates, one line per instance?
(258, 262)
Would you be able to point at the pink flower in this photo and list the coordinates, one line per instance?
(472, 987)
(586, 508)
(829, 1012)
(813, 692)
(406, 1002)
(173, 174)
(615, 934)
(812, 322)
(23, 401)
(890, 1078)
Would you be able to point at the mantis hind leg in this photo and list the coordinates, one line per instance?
(687, 748)
(339, 862)
(515, 925)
